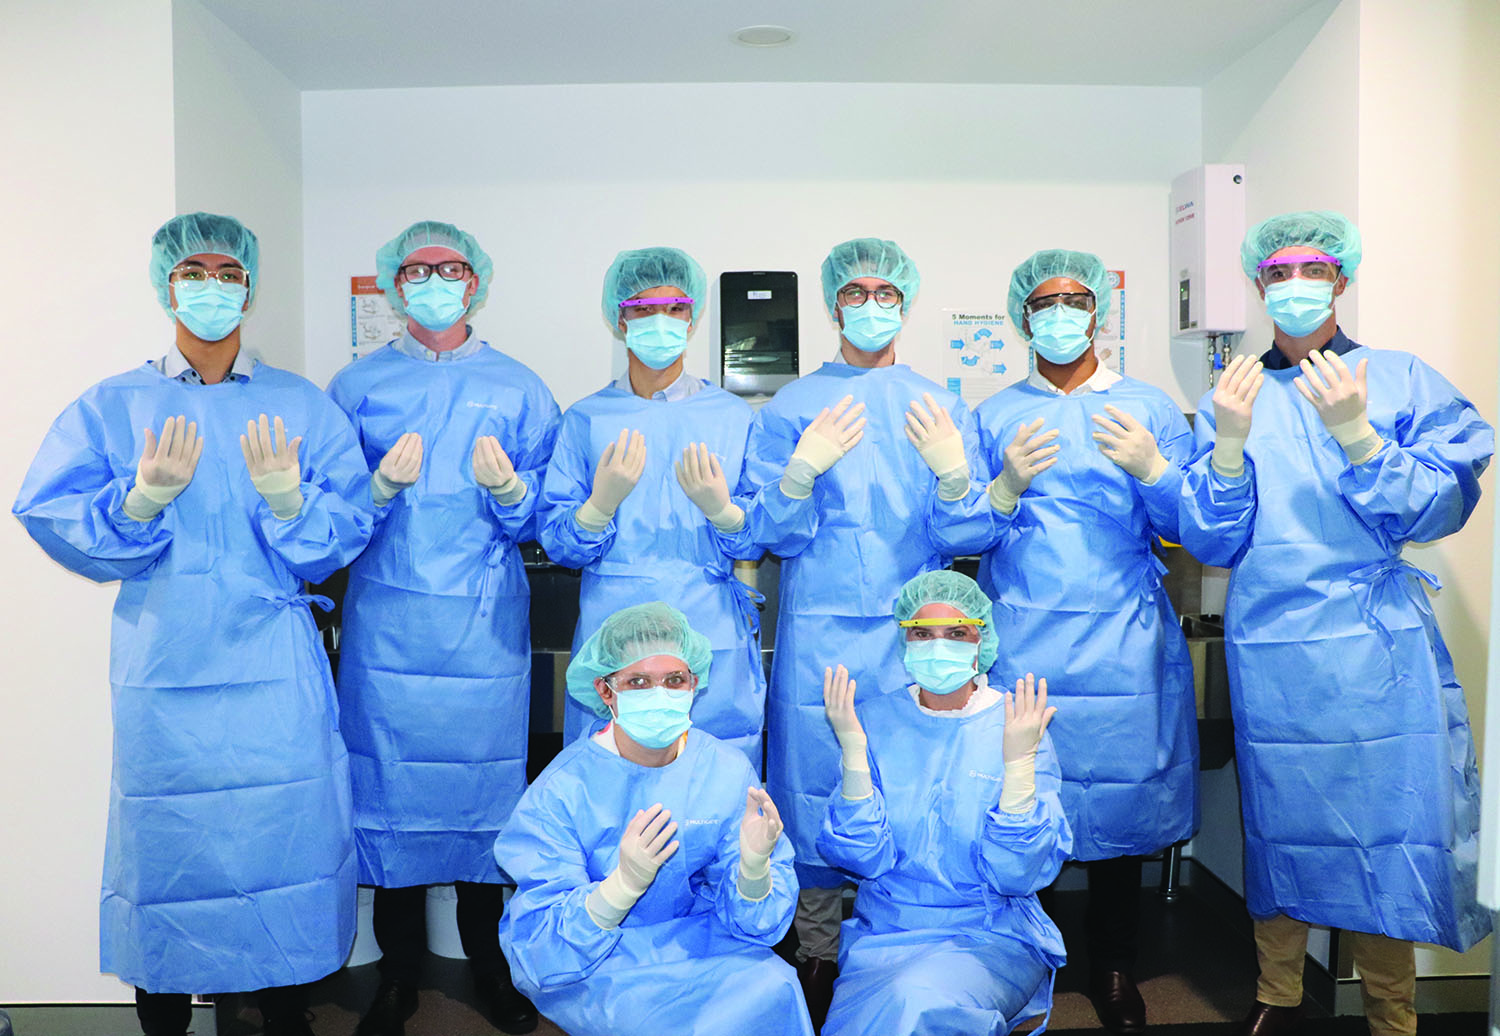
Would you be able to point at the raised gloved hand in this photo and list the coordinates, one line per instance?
(273, 466)
(397, 470)
(760, 827)
(645, 845)
(1339, 397)
(619, 469)
(1129, 444)
(833, 433)
(1234, 401)
(702, 479)
(1029, 454)
(932, 431)
(1026, 717)
(165, 468)
(494, 471)
(838, 705)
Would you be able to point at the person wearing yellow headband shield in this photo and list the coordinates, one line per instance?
(948, 803)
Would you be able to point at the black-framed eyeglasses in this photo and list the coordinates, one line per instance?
(1081, 300)
(854, 295)
(236, 275)
(416, 273)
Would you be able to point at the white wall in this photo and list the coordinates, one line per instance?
(239, 152)
(553, 181)
(87, 176)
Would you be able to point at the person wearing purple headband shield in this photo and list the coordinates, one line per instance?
(638, 493)
(1357, 776)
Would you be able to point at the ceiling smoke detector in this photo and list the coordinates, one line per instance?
(763, 36)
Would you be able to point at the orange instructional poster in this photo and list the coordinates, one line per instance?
(372, 321)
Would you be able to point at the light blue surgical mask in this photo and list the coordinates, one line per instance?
(869, 327)
(436, 304)
(654, 716)
(209, 309)
(656, 340)
(1060, 333)
(941, 665)
(1299, 306)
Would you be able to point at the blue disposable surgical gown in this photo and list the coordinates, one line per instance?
(1078, 596)
(435, 661)
(693, 955)
(660, 546)
(847, 549)
(229, 862)
(1357, 775)
(947, 937)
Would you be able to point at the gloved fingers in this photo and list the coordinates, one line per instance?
(1025, 695)
(770, 812)
(1125, 418)
(1331, 366)
(1039, 453)
(635, 457)
(684, 477)
(921, 416)
(148, 451)
(841, 424)
(249, 453)
(834, 414)
(1313, 376)
(171, 438)
(278, 440)
(1114, 429)
(916, 431)
(615, 449)
(1026, 431)
(1360, 384)
(1254, 389)
(664, 854)
(715, 471)
(1037, 469)
(1238, 369)
(290, 453)
(197, 453)
(1301, 385)
(853, 434)
(658, 833)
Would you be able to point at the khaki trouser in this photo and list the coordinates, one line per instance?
(1387, 972)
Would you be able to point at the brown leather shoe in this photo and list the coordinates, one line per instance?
(1117, 1002)
(816, 975)
(1267, 1020)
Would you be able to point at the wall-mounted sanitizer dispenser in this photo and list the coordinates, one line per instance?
(757, 331)
(1208, 287)
(1208, 224)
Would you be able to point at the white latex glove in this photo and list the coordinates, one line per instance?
(1339, 398)
(932, 431)
(1029, 454)
(398, 469)
(702, 479)
(760, 827)
(838, 704)
(273, 466)
(1129, 444)
(619, 469)
(1234, 401)
(833, 433)
(164, 470)
(494, 471)
(1026, 717)
(644, 847)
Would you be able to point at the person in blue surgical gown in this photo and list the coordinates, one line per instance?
(1088, 467)
(1357, 775)
(833, 488)
(435, 661)
(229, 861)
(948, 813)
(638, 494)
(652, 875)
